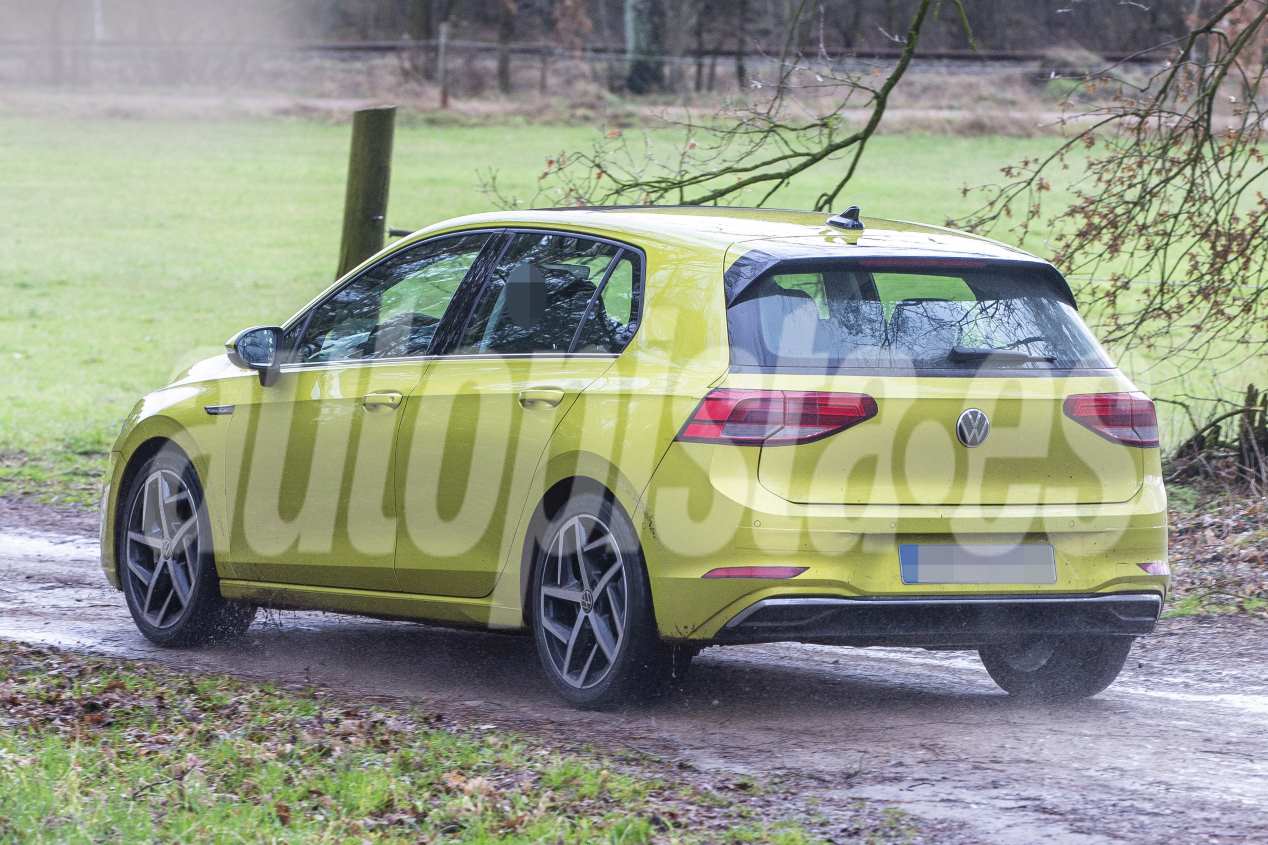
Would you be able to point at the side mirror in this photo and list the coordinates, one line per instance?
(258, 349)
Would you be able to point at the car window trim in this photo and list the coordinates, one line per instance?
(424, 359)
(510, 232)
(594, 297)
(305, 316)
(481, 292)
(941, 372)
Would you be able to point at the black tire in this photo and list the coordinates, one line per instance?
(644, 665)
(206, 617)
(1063, 669)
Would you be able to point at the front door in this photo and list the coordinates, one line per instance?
(480, 420)
(312, 479)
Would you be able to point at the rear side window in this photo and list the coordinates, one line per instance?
(614, 315)
(845, 314)
(556, 293)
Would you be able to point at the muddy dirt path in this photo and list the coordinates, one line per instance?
(1176, 750)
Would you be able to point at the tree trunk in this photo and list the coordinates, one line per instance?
(701, 10)
(56, 49)
(741, 43)
(422, 27)
(645, 45)
(442, 62)
(507, 11)
(1252, 434)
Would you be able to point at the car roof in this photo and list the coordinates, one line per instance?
(722, 227)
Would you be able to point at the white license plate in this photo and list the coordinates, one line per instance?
(977, 563)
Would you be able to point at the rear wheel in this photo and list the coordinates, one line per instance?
(166, 564)
(592, 610)
(1061, 669)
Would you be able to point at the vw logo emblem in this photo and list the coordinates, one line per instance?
(972, 427)
(587, 601)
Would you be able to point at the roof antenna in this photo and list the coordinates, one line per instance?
(848, 219)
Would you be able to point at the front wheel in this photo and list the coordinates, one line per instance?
(166, 563)
(1063, 669)
(591, 608)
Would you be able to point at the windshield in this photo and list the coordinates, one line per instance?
(842, 314)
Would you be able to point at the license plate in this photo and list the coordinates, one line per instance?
(977, 563)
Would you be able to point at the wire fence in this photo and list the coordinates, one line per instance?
(469, 65)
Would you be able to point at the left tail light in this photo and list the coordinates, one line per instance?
(1127, 418)
(774, 417)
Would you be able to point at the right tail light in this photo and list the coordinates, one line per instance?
(1126, 418)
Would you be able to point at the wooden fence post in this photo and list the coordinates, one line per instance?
(369, 174)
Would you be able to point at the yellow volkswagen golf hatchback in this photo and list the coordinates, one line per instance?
(637, 432)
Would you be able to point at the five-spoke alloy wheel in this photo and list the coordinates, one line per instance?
(162, 548)
(584, 601)
(166, 565)
(591, 608)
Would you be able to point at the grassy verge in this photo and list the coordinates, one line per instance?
(1218, 548)
(67, 474)
(96, 750)
(1216, 604)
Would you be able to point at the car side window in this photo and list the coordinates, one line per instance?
(536, 294)
(614, 316)
(539, 292)
(391, 310)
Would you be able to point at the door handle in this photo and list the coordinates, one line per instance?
(388, 399)
(541, 397)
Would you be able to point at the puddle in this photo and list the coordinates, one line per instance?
(48, 546)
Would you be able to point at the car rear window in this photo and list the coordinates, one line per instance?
(841, 314)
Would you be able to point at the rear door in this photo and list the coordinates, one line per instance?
(552, 316)
(970, 363)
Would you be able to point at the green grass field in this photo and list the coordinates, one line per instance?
(133, 248)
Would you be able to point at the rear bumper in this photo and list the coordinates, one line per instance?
(940, 622)
(704, 510)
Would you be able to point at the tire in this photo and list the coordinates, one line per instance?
(1064, 669)
(166, 557)
(597, 640)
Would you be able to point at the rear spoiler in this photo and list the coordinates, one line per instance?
(756, 263)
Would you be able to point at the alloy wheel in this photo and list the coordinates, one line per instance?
(162, 548)
(583, 605)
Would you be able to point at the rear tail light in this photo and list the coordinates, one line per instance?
(1127, 418)
(774, 417)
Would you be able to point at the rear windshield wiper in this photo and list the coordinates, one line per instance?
(963, 354)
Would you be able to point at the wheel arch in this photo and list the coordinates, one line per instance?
(548, 505)
(146, 438)
(137, 455)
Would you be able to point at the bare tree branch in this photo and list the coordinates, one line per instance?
(743, 148)
(1169, 214)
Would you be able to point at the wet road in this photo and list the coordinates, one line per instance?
(1176, 750)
